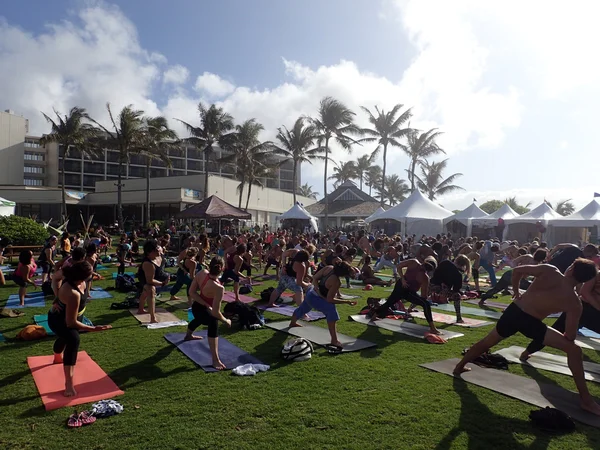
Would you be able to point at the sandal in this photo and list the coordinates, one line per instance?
(86, 418)
(74, 421)
(333, 349)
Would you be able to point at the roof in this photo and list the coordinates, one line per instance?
(542, 213)
(344, 208)
(213, 208)
(4, 202)
(295, 212)
(505, 212)
(347, 191)
(375, 214)
(470, 212)
(416, 206)
(589, 215)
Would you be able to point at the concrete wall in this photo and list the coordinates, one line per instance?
(174, 195)
(32, 195)
(195, 182)
(12, 147)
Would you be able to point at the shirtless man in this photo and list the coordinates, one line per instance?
(364, 245)
(550, 292)
(274, 258)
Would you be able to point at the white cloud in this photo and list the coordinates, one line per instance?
(176, 75)
(213, 85)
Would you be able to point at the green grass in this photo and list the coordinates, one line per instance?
(379, 398)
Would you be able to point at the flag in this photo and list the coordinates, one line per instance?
(596, 195)
(474, 200)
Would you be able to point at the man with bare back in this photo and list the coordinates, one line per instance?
(551, 292)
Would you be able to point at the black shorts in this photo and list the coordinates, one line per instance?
(229, 274)
(515, 320)
(272, 261)
(475, 274)
(45, 266)
(19, 281)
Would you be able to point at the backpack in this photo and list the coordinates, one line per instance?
(552, 420)
(265, 295)
(247, 316)
(297, 349)
(125, 283)
(47, 288)
(132, 301)
(245, 289)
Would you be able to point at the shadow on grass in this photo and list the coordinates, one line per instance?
(270, 350)
(476, 419)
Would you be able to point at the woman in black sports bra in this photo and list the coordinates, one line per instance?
(151, 274)
(63, 319)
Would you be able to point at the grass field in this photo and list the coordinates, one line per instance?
(379, 398)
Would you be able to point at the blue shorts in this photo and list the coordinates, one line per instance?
(312, 300)
(287, 282)
(229, 274)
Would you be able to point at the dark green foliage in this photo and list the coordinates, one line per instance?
(22, 230)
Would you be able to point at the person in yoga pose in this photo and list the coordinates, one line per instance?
(292, 278)
(447, 281)
(186, 270)
(367, 275)
(46, 258)
(207, 294)
(63, 319)
(487, 257)
(563, 255)
(24, 274)
(151, 274)
(506, 279)
(321, 296)
(77, 255)
(235, 261)
(414, 278)
(181, 276)
(551, 292)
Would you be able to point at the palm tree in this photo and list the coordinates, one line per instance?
(563, 207)
(431, 181)
(343, 172)
(70, 131)
(387, 130)
(128, 135)
(251, 157)
(296, 145)
(215, 125)
(514, 204)
(159, 139)
(306, 191)
(362, 166)
(334, 121)
(420, 147)
(395, 190)
(373, 177)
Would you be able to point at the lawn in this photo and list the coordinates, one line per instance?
(379, 398)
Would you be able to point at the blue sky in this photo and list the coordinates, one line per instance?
(516, 102)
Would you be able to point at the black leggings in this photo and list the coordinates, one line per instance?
(121, 268)
(67, 339)
(590, 318)
(202, 316)
(503, 283)
(402, 293)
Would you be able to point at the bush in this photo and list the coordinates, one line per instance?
(22, 231)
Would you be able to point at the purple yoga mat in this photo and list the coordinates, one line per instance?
(199, 352)
(288, 310)
(229, 297)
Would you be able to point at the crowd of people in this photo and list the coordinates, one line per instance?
(314, 267)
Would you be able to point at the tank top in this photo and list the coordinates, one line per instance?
(289, 269)
(206, 299)
(323, 289)
(61, 308)
(410, 276)
(22, 269)
(159, 273)
(230, 262)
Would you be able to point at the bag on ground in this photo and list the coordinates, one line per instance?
(297, 349)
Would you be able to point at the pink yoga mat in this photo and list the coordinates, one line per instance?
(229, 297)
(451, 320)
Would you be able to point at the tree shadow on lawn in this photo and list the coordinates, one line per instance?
(269, 350)
(480, 424)
(374, 334)
(11, 379)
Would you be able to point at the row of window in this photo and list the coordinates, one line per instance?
(33, 182)
(33, 157)
(32, 143)
(33, 169)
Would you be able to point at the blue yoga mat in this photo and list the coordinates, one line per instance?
(36, 300)
(101, 267)
(42, 321)
(114, 275)
(99, 293)
(589, 333)
(199, 352)
(2, 338)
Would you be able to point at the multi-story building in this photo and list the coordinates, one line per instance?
(13, 129)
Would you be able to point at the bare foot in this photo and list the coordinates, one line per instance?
(272, 306)
(58, 359)
(70, 392)
(218, 365)
(142, 311)
(153, 321)
(460, 321)
(591, 406)
(435, 331)
(22, 303)
(173, 297)
(524, 356)
(191, 337)
(458, 370)
(337, 344)
(481, 302)
(292, 325)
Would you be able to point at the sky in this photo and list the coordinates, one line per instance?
(513, 86)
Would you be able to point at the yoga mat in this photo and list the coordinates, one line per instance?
(229, 297)
(114, 274)
(588, 333)
(179, 304)
(471, 311)
(36, 300)
(501, 306)
(402, 327)
(91, 382)
(99, 294)
(550, 362)
(5, 267)
(158, 326)
(589, 343)
(521, 388)
(42, 321)
(162, 315)
(321, 336)
(451, 320)
(199, 352)
(289, 311)
(2, 338)
(101, 267)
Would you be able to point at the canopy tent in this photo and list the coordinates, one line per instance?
(418, 215)
(574, 228)
(7, 208)
(373, 216)
(525, 227)
(298, 213)
(464, 217)
(213, 208)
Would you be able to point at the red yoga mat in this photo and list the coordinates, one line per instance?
(91, 382)
(229, 297)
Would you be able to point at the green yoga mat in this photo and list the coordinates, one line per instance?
(42, 321)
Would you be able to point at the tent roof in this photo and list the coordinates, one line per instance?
(375, 214)
(470, 212)
(542, 212)
(296, 212)
(587, 216)
(416, 206)
(213, 208)
(4, 202)
(505, 212)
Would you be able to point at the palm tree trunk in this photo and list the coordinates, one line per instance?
(147, 222)
(325, 186)
(383, 174)
(63, 206)
(361, 178)
(241, 193)
(205, 195)
(248, 197)
(120, 196)
(294, 180)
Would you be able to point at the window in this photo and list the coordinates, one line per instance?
(195, 165)
(348, 195)
(178, 173)
(74, 153)
(227, 168)
(286, 175)
(180, 152)
(90, 180)
(33, 157)
(157, 163)
(155, 173)
(31, 182)
(288, 165)
(90, 167)
(178, 163)
(112, 169)
(33, 169)
(287, 185)
(72, 179)
(32, 143)
(137, 172)
(137, 159)
(194, 153)
(30, 210)
(99, 157)
(112, 156)
(272, 183)
(72, 166)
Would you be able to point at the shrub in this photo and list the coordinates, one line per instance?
(22, 230)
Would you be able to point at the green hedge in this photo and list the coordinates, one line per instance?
(22, 230)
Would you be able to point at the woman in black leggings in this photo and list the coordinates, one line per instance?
(63, 319)
(207, 293)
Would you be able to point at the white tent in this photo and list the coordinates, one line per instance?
(418, 215)
(7, 208)
(374, 216)
(466, 217)
(574, 228)
(297, 212)
(523, 228)
(491, 220)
